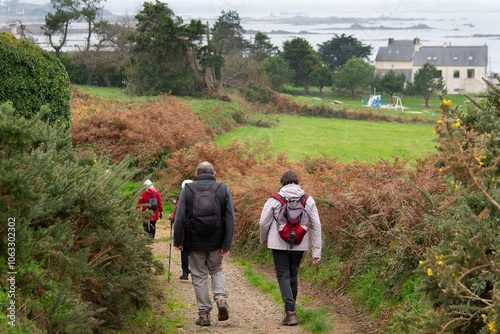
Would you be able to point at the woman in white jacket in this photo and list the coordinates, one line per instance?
(286, 258)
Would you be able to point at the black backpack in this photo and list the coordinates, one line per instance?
(206, 210)
(153, 202)
(293, 220)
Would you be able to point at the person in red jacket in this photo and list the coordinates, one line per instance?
(185, 250)
(150, 223)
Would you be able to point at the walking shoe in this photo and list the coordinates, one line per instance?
(203, 320)
(223, 310)
(290, 318)
(184, 276)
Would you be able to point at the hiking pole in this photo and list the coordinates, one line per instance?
(170, 253)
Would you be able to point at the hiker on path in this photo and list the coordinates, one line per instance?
(185, 248)
(150, 222)
(206, 208)
(287, 255)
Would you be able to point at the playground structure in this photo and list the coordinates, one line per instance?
(377, 102)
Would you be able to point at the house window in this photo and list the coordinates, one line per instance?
(429, 58)
(455, 58)
(440, 73)
(456, 73)
(471, 57)
(434, 58)
(470, 73)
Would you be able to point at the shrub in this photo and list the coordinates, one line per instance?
(462, 273)
(147, 132)
(30, 78)
(81, 264)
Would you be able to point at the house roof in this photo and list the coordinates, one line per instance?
(452, 56)
(397, 50)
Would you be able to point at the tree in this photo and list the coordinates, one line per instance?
(427, 81)
(302, 58)
(355, 74)
(115, 61)
(227, 34)
(57, 23)
(31, 78)
(279, 72)
(166, 50)
(66, 11)
(392, 83)
(321, 77)
(210, 59)
(262, 48)
(337, 51)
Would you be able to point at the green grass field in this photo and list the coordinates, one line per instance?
(348, 140)
(300, 137)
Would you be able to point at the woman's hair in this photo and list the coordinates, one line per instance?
(289, 177)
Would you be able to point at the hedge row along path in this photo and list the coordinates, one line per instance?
(251, 311)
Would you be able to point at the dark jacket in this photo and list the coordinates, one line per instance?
(223, 238)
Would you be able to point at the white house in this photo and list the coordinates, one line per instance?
(462, 67)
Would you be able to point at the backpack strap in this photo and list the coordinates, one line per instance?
(195, 190)
(303, 200)
(279, 198)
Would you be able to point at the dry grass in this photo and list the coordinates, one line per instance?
(358, 203)
(143, 131)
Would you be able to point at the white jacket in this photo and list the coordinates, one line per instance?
(269, 230)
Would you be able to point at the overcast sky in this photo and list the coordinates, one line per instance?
(325, 7)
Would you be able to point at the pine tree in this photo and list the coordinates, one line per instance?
(80, 263)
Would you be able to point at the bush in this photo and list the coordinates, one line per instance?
(462, 273)
(147, 132)
(30, 78)
(80, 261)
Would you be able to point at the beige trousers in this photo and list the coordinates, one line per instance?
(202, 263)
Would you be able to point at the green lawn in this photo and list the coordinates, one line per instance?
(113, 94)
(366, 141)
(413, 104)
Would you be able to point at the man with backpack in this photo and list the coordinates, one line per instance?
(151, 200)
(205, 207)
(287, 222)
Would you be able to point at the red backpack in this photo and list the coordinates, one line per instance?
(293, 220)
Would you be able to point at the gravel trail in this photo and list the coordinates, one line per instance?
(252, 311)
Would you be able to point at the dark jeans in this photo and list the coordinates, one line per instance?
(287, 264)
(185, 262)
(151, 229)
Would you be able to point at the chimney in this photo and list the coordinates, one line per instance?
(391, 40)
(416, 42)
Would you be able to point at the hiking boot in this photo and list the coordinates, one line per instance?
(203, 320)
(223, 310)
(184, 276)
(290, 318)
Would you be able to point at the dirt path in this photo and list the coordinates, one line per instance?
(252, 311)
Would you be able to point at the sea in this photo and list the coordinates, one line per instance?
(453, 27)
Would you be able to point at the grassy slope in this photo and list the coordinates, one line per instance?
(349, 140)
